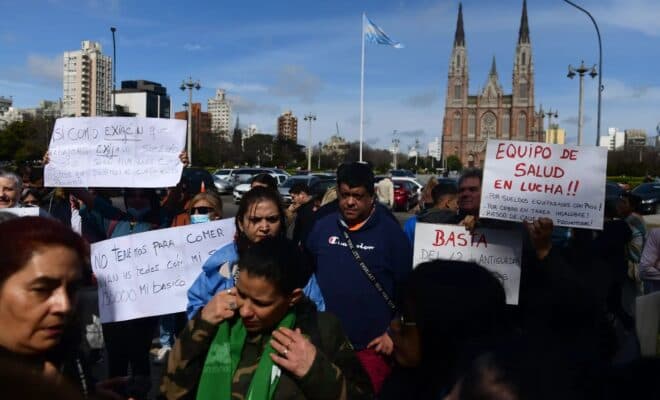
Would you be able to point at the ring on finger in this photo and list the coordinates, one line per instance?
(232, 306)
(285, 352)
(228, 291)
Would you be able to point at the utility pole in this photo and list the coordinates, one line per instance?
(395, 147)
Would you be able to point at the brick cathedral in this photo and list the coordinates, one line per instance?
(472, 119)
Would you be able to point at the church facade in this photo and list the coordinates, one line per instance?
(470, 120)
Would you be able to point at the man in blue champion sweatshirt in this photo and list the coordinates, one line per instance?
(382, 246)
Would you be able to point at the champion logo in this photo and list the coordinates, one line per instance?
(335, 241)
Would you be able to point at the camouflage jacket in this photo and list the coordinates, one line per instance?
(335, 374)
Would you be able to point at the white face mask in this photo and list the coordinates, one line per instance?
(199, 218)
(138, 213)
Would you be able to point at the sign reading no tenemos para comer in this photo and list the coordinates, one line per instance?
(149, 273)
(497, 250)
(530, 180)
(115, 152)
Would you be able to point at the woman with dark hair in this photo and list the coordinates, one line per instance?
(450, 312)
(40, 273)
(269, 343)
(260, 215)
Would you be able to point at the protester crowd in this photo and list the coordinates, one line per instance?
(321, 301)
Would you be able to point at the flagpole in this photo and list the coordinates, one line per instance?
(362, 90)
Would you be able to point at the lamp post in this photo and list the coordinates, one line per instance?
(395, 147)
(581, 70)
(549, 114)
(190, 85)
(600, 65)
(320, 151)
(309, 117)
(114, 69)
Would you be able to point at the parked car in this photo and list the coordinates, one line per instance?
(402, 173)
(613, 191)
(240, 175)
(451, 181)
(416, 186)
(404, 196)
(650, 195)
(222, 181)
(286, 186)
(319, 188)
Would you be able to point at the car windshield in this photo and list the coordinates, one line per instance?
(222, 172)
(646, 188)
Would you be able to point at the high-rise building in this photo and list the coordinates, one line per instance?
(5, 103)
(143, 99)
(470, 120)
(250, 131)
(615, 140)
(287, 126)
(219, 108)
(555, 135)
(635, 139)
(87, 82)
(201, 125)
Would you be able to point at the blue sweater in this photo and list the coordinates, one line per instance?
(347, 291)
(218, 275)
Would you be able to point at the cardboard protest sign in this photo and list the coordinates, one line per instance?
(115, 152)
(499, 251)
(529, 180)
(23, 211)
(149, 273)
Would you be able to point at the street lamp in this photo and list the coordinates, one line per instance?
(395, 147)
(190, 85)
(114, 69)
(320, 150)
(549, 114)
(581, 70)
(309, 117)
(600, 65)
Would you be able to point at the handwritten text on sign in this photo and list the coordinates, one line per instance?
(150, 273)
(498, 251)
(525, 180)
(115, 152)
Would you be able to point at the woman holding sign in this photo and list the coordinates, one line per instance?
(267, 341)
(260, 215)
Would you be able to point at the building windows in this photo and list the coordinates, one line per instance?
(456, 125)
(458, 91)
(522, 126)
(488, 126)
(522, 89)
(506, 126)
(472, 122)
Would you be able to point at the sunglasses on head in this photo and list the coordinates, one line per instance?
(201, 210)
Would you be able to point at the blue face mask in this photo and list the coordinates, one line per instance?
(199, 218)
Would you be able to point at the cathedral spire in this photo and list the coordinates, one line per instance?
(523, 32)
(459, 37)
(493, 68)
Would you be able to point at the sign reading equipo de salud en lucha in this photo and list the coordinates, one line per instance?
(115, 152)
(498, 251)
(149, 273)
(529, 180)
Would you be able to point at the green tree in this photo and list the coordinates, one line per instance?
(454, 163)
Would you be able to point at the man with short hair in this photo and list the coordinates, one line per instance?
(444, 210)
(469, 192)
(11, 187)
(361, 229)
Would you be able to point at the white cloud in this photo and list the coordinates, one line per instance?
(241, 87)
(46, 68)
(296, 81)
(192, 47)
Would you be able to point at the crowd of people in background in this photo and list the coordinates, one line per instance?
(320, 300)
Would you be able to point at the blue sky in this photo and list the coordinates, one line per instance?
(305, 56)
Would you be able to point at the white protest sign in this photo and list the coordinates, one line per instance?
(529, 180)
(149, 273)
(115, 152)
(498, 251)
(23, 211)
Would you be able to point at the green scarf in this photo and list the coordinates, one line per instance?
(222, 361)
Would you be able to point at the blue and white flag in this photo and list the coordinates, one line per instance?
(376, 35)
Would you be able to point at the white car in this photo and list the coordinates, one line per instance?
(414, 181)
(245, 185)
